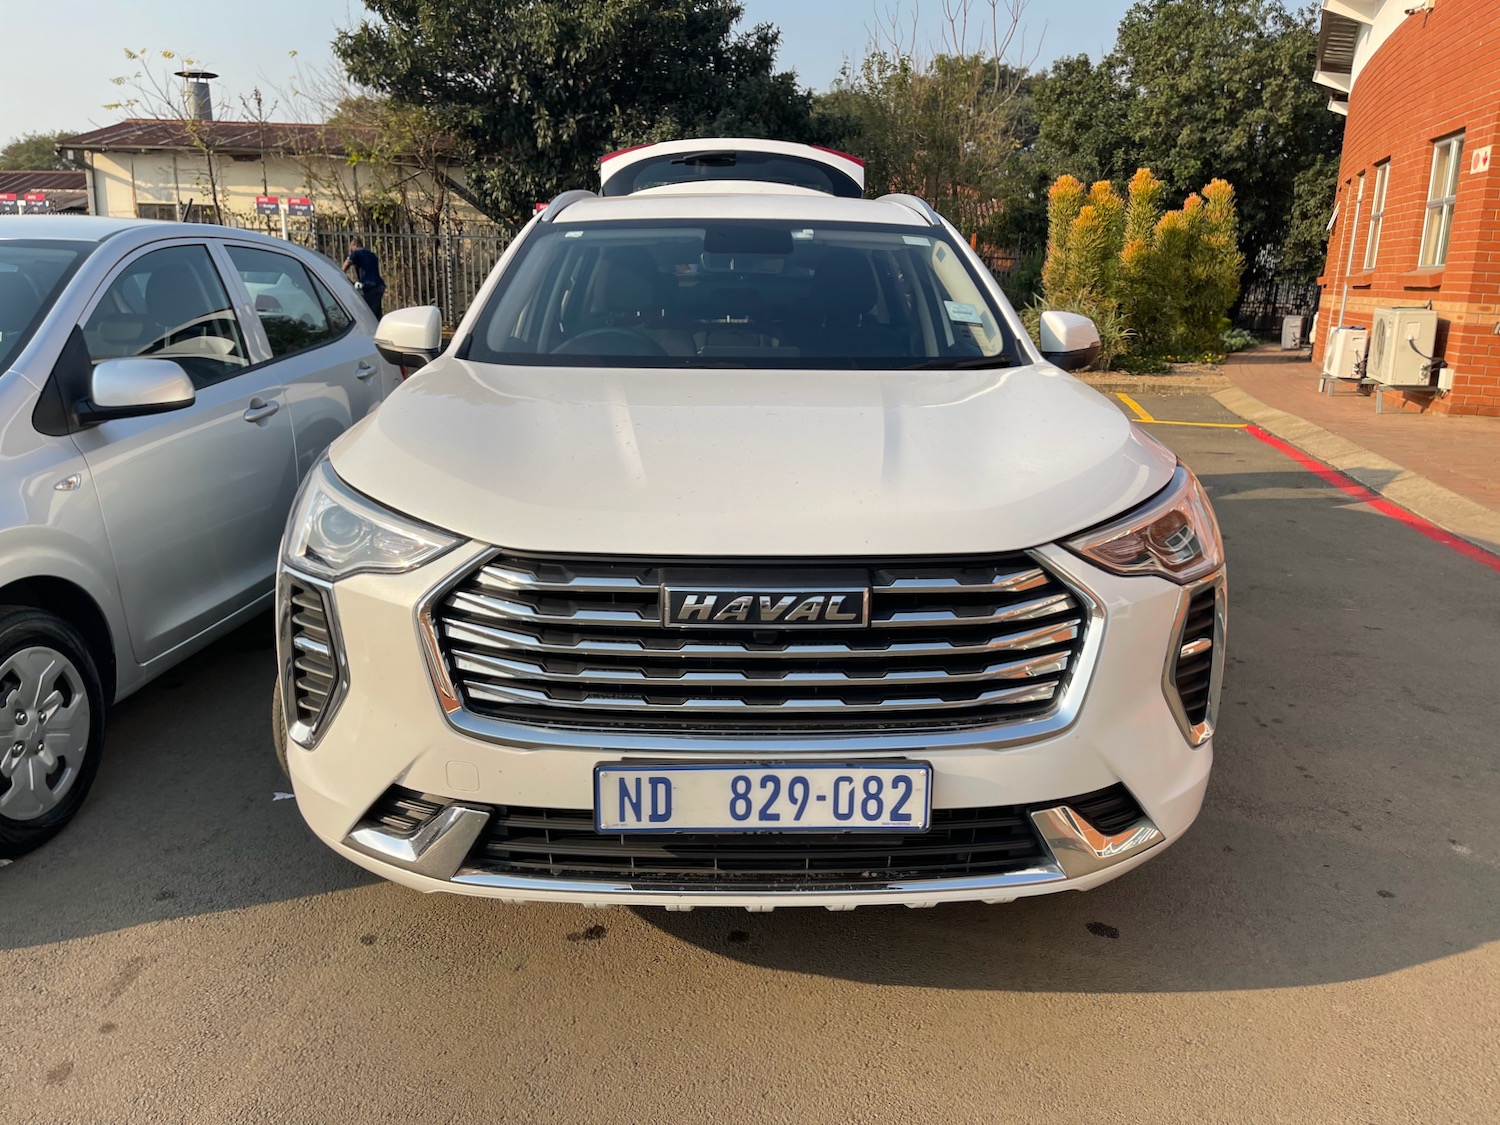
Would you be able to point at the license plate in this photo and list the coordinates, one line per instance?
(813, 797)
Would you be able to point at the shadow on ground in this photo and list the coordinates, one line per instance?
(1348, 832)
(182, 818)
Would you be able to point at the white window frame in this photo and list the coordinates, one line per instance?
(1377, 212)
(1441, 199)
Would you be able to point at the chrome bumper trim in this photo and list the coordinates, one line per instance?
(438, 848)
(1081, 849)
(435, 850)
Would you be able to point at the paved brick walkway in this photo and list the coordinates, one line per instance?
(1462, 454)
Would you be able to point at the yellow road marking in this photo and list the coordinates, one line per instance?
(1137, 408)
(1142, 415)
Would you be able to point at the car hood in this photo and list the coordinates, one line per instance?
(728, 463)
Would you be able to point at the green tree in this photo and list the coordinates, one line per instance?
(533, 92)
(1201, 88)
(1304, 250)
(36, 152)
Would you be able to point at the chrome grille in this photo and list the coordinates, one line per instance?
(579, 643)
(314, 669)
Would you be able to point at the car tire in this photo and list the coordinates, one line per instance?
(278, 729)
(52, 717)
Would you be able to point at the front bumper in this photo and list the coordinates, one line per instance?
(391, 729)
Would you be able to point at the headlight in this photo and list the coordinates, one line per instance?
(335, 532)
(1173, 535)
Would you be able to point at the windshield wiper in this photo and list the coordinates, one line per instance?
(1001, 360)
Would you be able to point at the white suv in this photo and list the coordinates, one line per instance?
(742, 550)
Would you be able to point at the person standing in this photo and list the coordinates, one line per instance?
(367, 279)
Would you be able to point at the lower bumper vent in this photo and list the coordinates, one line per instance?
(561, 844)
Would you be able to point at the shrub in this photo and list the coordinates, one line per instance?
(1164, 280)
(1142, 365)
(1237, 340)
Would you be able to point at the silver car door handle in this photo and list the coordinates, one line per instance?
(364, 371)
(260, 410)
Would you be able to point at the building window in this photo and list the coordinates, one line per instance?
(1442, 194)
(1377, 212)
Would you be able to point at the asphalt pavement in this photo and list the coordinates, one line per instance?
(1324, 945)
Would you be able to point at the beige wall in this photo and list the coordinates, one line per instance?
(123, 180)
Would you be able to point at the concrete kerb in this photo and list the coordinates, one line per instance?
(1114, 382)
(1454, 513)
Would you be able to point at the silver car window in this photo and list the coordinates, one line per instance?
(295, 310)
(31, 275)
(170, 304)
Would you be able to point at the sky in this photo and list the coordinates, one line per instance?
(60, 58)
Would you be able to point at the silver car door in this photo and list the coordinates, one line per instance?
(194, 501)
(324, 357)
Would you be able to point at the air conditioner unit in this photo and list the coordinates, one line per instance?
(1344, 356)
(1401, 346)
(1293, 332)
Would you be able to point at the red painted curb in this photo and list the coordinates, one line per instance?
(1357, 491)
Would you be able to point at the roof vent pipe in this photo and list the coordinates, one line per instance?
(200, 106)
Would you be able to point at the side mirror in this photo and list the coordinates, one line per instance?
(410, 337)
(1068, 340)
(135, 386)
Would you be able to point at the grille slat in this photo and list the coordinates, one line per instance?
(579, 642)
(479, 637)
(511, 669)
(313, 660)
(1193, 675)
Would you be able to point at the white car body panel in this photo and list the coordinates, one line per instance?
(390, 728)
(694, 462)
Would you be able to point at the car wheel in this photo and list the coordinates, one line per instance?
(51, 727)
(278, 729)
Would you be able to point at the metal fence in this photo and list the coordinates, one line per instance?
(421, 267)
(1264, 301)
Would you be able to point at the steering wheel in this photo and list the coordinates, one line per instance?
(608, 342)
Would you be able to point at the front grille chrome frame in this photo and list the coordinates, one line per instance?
(1059, 717)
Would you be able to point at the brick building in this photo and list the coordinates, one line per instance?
(1418, 213)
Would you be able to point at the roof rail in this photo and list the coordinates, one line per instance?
(563, 202)
(913, 203)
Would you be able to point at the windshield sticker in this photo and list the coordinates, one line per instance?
(961, 313)
(916, 240)
(802, 235)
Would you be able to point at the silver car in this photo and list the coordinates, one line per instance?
(164, 387)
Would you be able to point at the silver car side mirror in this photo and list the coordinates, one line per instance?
(1068, 340)
(127, 388)
(410, 337)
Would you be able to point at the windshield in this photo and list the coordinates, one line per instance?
(31, 276)
(741, 294)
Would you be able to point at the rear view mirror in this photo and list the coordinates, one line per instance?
(135, 386)
(1068, 340)
(747, 240)
(410, 337)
